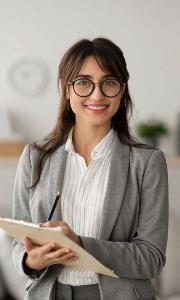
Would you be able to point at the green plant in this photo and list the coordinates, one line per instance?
(151, 128)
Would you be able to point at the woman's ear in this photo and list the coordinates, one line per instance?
(61, 88)
(60, 84)
(123, 89)
(67, 92)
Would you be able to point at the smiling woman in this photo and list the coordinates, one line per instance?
(113, 190)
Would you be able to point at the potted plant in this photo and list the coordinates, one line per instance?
(151, 130)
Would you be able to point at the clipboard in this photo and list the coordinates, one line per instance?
(41, 235)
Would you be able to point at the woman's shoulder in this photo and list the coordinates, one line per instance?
(33, 153)
(28, 157)
(30, 152)
(145, 154)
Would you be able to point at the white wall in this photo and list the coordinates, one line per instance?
(147, 31)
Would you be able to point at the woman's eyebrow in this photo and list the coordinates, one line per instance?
(89, 76)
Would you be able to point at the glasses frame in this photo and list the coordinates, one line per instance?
(94, 85)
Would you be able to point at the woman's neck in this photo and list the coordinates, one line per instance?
(87, 137)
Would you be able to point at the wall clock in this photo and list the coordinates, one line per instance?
(28, 76)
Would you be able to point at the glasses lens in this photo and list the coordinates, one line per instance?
(83, 87)
(111, 87)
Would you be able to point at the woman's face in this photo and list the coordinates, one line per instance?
(95, 109)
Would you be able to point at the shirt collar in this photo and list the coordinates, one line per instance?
(102, 149)
(69, 146)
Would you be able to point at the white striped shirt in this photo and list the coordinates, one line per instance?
(82, 198)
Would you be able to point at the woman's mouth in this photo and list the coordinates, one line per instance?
(96, 107)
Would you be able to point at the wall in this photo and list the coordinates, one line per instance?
(147, 31)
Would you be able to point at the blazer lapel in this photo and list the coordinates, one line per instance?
(116, 187)
(55, 183)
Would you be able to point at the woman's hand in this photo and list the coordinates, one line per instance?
(40, 257)
(66, 230)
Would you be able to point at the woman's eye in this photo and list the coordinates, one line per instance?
(82, 82)
(109, 82)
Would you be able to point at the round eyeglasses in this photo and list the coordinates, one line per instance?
(84, 87)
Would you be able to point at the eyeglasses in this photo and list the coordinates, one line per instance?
(84, 87)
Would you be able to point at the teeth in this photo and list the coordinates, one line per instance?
(96, 107)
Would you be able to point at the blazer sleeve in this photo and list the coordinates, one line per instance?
(21, 209)
(144, 256)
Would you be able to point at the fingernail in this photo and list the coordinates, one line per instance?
(67, 250)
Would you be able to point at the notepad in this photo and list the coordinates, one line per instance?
(42, 235)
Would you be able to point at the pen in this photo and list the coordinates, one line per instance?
(53, 207)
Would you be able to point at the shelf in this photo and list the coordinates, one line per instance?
(10, 149)
(173, 161)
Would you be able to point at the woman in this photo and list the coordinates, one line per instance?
(114, 191)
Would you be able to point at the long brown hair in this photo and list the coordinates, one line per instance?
(110, 57)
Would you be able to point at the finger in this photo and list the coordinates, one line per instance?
(60, 252)
(41, 224)
(72, 258)
(57, 261)
(56, 223)
(48, 248)
(67, 257)
(52, 224)
(64, 258)
(28, 244)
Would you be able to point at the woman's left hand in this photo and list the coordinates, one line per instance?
(66, 230)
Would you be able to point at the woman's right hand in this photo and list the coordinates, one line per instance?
(40, 257)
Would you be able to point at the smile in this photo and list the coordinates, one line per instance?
(97, 107)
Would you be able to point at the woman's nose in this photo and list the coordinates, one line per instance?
(97, 94)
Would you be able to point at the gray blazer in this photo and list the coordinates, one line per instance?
(134, 225)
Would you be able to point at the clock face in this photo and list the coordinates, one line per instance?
(29, 76)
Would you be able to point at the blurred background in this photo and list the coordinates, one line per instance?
(34, 35)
